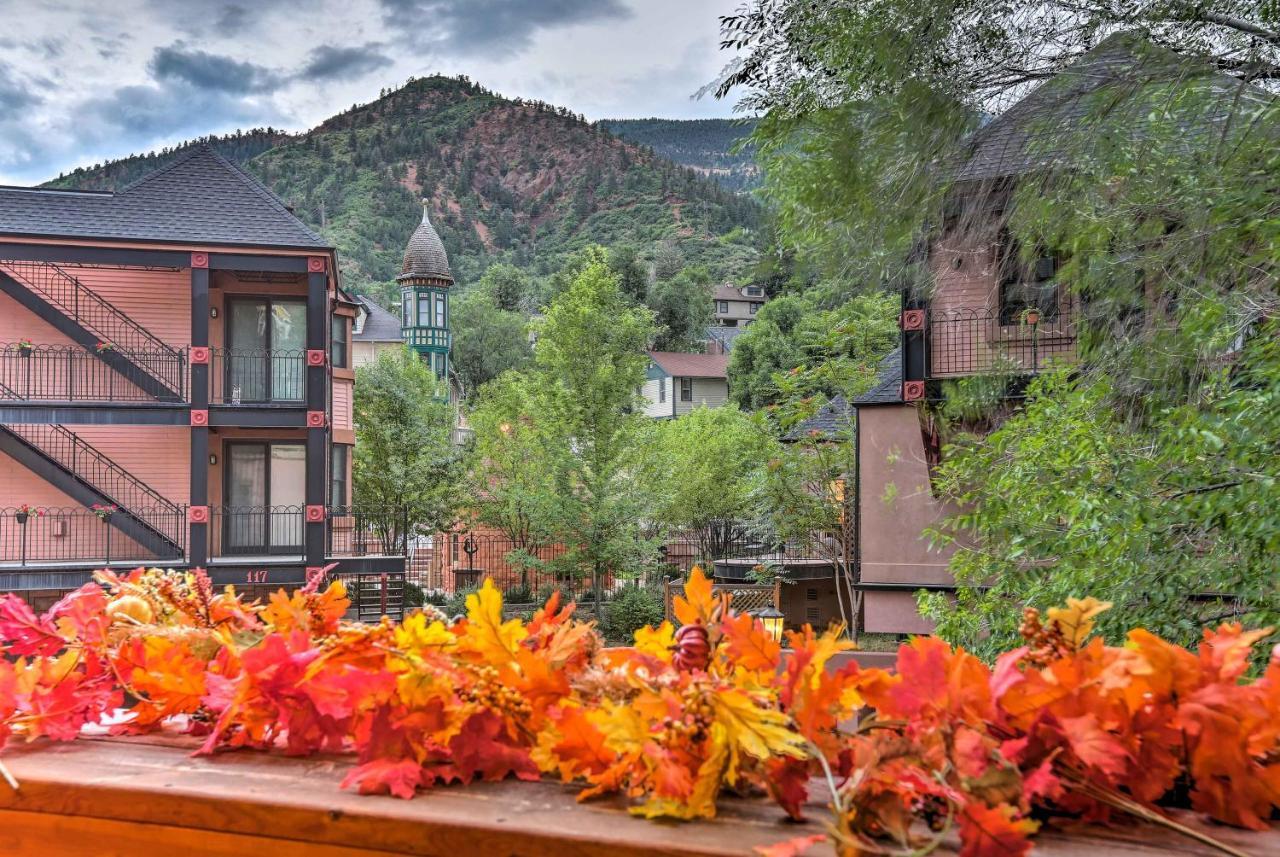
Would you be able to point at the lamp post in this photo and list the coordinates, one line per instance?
(771, 617)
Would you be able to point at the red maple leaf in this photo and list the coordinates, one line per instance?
(399, 777)
(26, 633)
(791, 847)
(483, 749)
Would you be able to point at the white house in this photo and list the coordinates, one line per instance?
(677, 383)
(736, 306)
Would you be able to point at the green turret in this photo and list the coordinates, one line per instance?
(424, 296)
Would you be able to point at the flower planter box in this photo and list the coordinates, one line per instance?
(113, 797)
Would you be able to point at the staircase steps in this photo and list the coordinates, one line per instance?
(85, 317)
(83, 472)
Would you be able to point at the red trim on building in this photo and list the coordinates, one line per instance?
(317, 264)
(199, 417)
(315, 357)
(199, 260)
(197, 514)
(315, 514)
(912, 391)
(912, 319)
(316, 419)
(199, 355)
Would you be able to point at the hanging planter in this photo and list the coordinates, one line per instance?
(25, 347)
(25, 511)
(103, 512)
(1031, 316)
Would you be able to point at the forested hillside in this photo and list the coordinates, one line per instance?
(707, 145)
(509, 180)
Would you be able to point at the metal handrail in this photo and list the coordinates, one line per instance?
(90, 310)
(266, 369)
(71, 373)
(979, 340)
(37, 537)
(98, 471)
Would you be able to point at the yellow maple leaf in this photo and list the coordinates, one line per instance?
(658, 642)
(1076, 619)
(486, 633)
(759, 732)
(416, 635)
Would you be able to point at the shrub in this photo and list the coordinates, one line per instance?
(630, 610)
(413, 595)
(519, 594)
(456, 605)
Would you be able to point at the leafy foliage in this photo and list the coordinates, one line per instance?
(635, 607)
(406, 472)
(1061, 725)
(487, 340)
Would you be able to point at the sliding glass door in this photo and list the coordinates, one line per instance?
(266, 342)
(264, 491)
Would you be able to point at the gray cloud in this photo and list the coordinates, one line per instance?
(330, 61)
(15, 94)
(467, 26)
(213, 72)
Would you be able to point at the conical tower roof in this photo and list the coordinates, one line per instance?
(425, 258)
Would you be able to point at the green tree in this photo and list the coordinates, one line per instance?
(633, 277)
(705, 470)
(407, 473)
(682, 306)
(507, 287)
(578, 419)
(487, 340)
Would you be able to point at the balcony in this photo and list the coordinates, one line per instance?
(258, 377)
(69, 373)
(53, 538)
(981, 341)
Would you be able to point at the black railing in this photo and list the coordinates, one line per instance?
(105, 476)
(978, 341)
(256, 530)
(70, 373)
(367, 531)
(373, 594)
(249, 376)
(42, 537)
(462, 559)
(740, 546)
(88, 309)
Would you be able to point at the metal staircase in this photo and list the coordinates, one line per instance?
(87, 475)
(84, 316)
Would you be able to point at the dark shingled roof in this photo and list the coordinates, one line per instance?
(1119, 83)
(201, 198)
(380, 325)
(831, 418)
(425, 256)
(888, 386)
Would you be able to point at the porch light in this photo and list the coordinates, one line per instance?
(771, 617)
(213, 459)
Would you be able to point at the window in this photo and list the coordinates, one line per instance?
(754, 291)
(1025, 284)
(722, 306)
(338, 341)
(424, 309)
(266, 344)
(755, 307)
(440, 317)
(662, 389)
(686, 389)
(407, 300)
(338, 475)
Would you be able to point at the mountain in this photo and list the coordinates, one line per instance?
(706, 145)
(507, 179)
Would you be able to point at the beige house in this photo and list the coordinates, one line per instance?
(736, 306)
(677, 383)
(373, 331)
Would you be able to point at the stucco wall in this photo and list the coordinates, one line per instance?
(896, 506)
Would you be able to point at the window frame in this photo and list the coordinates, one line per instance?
(341, 496)
(338, 337)
(1023, 285)
(686, 389)
(662, 390)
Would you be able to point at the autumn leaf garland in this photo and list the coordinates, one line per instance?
(1064, 725)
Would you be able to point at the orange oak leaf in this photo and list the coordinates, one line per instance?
(699, 604)
(994, 831)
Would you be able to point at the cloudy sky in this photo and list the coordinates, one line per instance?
(86, 80)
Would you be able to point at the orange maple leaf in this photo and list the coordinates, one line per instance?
(750, 646)
(994, 831)
(699, 604)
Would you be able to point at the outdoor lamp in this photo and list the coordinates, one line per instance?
(772, 619)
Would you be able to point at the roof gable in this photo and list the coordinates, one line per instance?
(680, 365)
(380, 325)
(200, 198)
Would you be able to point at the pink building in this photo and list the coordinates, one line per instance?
(177, 355)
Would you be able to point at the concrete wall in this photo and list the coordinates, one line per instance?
(896, 506)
